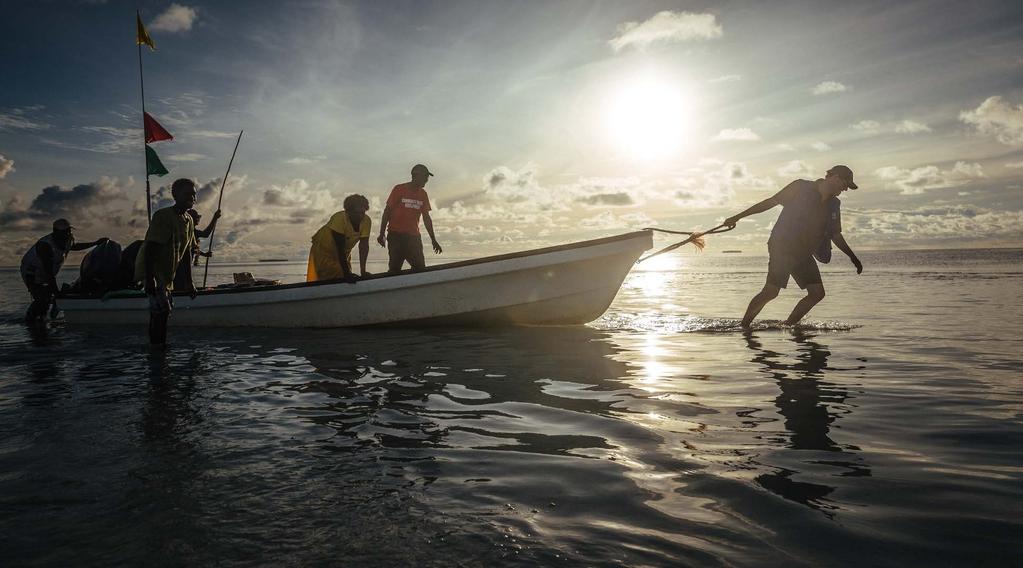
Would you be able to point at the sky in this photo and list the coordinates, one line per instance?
(543, 122)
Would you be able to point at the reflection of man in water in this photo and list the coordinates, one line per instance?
(803, 403)
(810, 219)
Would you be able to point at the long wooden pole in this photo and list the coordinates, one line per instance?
(145, 158)
(220, 200)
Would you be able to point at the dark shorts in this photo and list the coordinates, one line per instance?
(802, 269)
(402, 247)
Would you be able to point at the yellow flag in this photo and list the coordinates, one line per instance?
(142, 37)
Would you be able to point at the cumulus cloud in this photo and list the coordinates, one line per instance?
(867, 126)
(714, 184)
(725, 79)
(829, 87)
(796, 168)
(174, 19)
(911, 127)
(294, 203)
(935, 223)
(6, 166)
(995, 117)
(924, 178)
(83, 204)
(740, 134)
(1014, 165)
(666, 27)
(608, 220)
(820, 146)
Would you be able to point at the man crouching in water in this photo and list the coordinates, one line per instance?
(810, 216)
(170, 237)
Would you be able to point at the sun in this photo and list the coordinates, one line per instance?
(649, 118)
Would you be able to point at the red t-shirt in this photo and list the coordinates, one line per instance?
(407, 203)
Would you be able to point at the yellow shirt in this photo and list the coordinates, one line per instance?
(176, 234)
(323, 255)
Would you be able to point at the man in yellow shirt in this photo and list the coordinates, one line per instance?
(170, 236)
(330, 256)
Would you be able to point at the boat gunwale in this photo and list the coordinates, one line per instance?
(435, 268)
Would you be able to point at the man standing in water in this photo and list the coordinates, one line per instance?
(42, 262)
(404, 206)
(810, 218)
(170, 236)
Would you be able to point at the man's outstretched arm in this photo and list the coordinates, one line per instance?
(758, 208)
(843, 246)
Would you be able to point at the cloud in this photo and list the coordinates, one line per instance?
(186, 157)
(829, 87)
(740, 134)
(6, 166)
(17, 119)
(608, 220)
(820, 146)
(714, 184)
(911, 127)
(725, 79)
(867, 126)
(666, 27)
(951, 223)
(213, 134)
(176, 18)
(995, 117)
(102, 139)
(617, 199)
(1014, 165)
(82, 204)
(796, 168)
(919, 180)
(300, 161)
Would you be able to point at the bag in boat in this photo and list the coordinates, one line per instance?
(99, 269)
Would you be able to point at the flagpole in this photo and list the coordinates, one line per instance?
(220, 200)
(142, 86)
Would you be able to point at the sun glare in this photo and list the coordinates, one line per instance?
(649, 118)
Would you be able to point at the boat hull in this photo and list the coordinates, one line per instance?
(570, 284)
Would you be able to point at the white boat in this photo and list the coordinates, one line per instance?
(567, 284)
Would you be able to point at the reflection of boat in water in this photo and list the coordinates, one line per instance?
(567, 284)
(731, 251)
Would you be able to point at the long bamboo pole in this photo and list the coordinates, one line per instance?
(220, 200)
(145, 159)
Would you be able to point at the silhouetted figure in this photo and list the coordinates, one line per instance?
(183, 275)
(810, 220)
(42, 262)
(330, 256)
(170, 236)
(406, 203)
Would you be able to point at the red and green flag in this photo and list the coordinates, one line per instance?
(154, 131)
(154, 167)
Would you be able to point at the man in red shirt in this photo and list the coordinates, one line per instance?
(407, 202)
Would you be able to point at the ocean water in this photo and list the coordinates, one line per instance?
(885, 432)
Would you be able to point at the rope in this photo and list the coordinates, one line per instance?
(692, 237)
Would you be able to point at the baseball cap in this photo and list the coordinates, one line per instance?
(418, 167)
(845, 173)
(61, 225)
